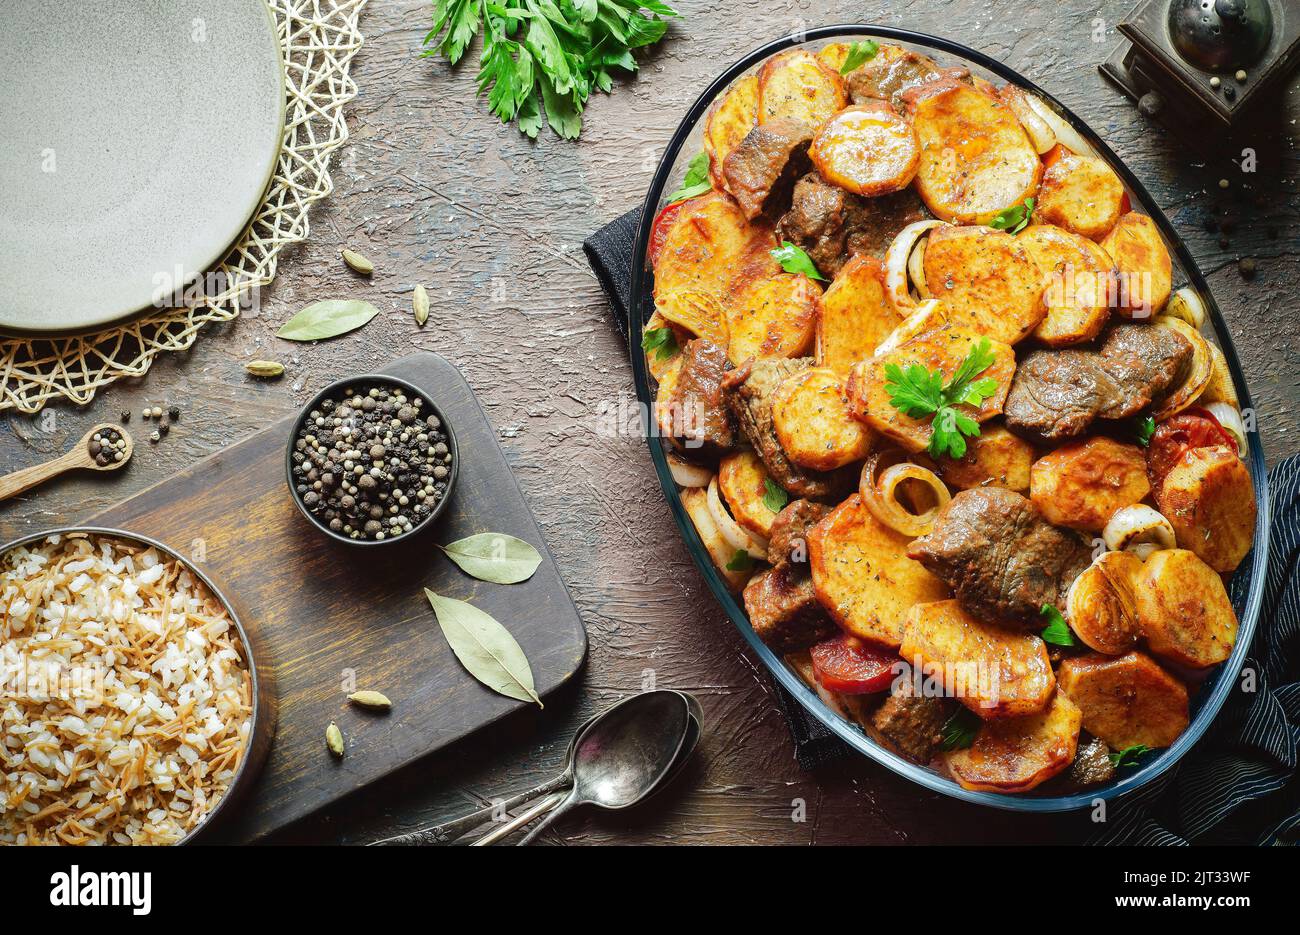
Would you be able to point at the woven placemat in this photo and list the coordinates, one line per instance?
(319, 39)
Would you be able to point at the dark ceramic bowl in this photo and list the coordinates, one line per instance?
(263, 719)
(336, 389)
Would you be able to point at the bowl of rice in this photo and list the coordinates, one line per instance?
(132, 708)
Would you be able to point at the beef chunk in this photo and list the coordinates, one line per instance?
(789, 539)
(784, 611)
(700, 405)
(877, 221)
(1092, 765)
(749, 394)
(1000, 557)
(1056, 394)
(885, 78)
(911, 722)
(761, 170)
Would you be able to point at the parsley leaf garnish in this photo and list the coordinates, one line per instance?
(541, 57)
(1057, 632)
(859, 52)
(794, 260)
(774, 498)
(696, 181)
(1144, 430)
(959, 731)
(1129, 755)
(740, 561)
(660, 340)
(919, 392)
(1014, 219)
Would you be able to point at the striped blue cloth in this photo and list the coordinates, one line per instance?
(1239, 785)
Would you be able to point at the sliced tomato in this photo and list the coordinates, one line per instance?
(1193, 428)
(849, 666)
(1125, 205)
(1052, 155)
(659, 230)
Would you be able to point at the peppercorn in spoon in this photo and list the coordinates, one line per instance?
(105, 447)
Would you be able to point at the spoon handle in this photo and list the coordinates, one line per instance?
(523, 818)
(449, 831)
(27, 478)
(570, 802)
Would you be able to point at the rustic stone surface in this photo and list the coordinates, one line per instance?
(433, 190)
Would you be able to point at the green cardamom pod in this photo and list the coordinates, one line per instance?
(420, 303)
(358, 263)
(264, 368)
(371, 700)
(334, 739)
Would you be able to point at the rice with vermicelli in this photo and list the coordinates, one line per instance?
(125, 699)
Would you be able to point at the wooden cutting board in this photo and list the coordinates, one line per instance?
(336, 619)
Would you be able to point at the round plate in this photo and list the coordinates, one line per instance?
(1247, 582)
(140, 136)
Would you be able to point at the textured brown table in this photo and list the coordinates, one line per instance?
(434, 190)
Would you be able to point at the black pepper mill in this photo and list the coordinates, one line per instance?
(1220, 35)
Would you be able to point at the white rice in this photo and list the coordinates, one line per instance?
(125, 700)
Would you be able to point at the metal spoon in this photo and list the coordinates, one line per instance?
(624, 756)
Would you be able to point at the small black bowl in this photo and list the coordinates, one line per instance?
(336, 389)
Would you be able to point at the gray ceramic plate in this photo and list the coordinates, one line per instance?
(139, 138)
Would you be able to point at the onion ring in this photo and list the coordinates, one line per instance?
(1066, 135)
(880, 494)
(685, 473)
(896, 257)
(1187, 305)
(1138, 529)
(925, 318)
(731, 531)
(1198, 373)
(1230, 421)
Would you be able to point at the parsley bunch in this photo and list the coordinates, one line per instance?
(546, 56)
(919, 392)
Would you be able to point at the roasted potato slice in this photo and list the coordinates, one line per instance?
(812, 421)
(667, 418)
(742, 481)
(1078, 275)
(1080, 194)
(834, 55)
(995, 458)
(976, 160)
(862, 574)
(996, 672)
(854, 315)
(1184, 610)
(795, 84)
(695, 502)
(1145, 270)
(1018, 754)
(1039, 130)
(1081, 484)
(1126, 700)
(868, 149)
(1102, 604)
(772, 317)
(942, 350)
(730, 121)
(1209, 499)
(988, 283)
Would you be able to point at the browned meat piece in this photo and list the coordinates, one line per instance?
(789, 539)
(761, 171)
(749, 394)
(1056, 394)
(1000, 557)
(698, 398)
(1092, 765)
(886, 78)
(784, 611)
(912, 723)
(873, 227)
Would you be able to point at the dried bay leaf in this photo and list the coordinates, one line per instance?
(327, 319)
(485, 648)
(494, 557)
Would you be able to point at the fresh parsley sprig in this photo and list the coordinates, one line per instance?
(794, 260)
(959, 730)
(696, 181)
(774, 498)
(545, 57)
(660, 340)
(1144, 430)
(1057, 632)
(919, 392)
(859, 52)
(741, 561)
(1129, 755)
(1014, 219)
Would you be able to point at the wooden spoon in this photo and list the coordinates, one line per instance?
(78, 457)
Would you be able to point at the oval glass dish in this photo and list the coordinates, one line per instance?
(1208, 696)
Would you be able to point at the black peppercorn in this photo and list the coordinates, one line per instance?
(174, 413)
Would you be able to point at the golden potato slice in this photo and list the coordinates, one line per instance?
(742, 481)
(862, 574)
(996, 672)
(1018, 754)
(854, 315)
(812, 421)
(1078, 276)
(773, 317)
(708, 243)
(667, 417)
(987, 282)
(834, 55)
(942, 350)
(1126, 700)
(1079, 193)
(730, 120)
(795, 84)
(868, 149)
(1184, 610)
(994, 458)
(695, 502)
(1082, 484)
(1209, 499)
(1145, 270)
(1102, 603)
(976, 160)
